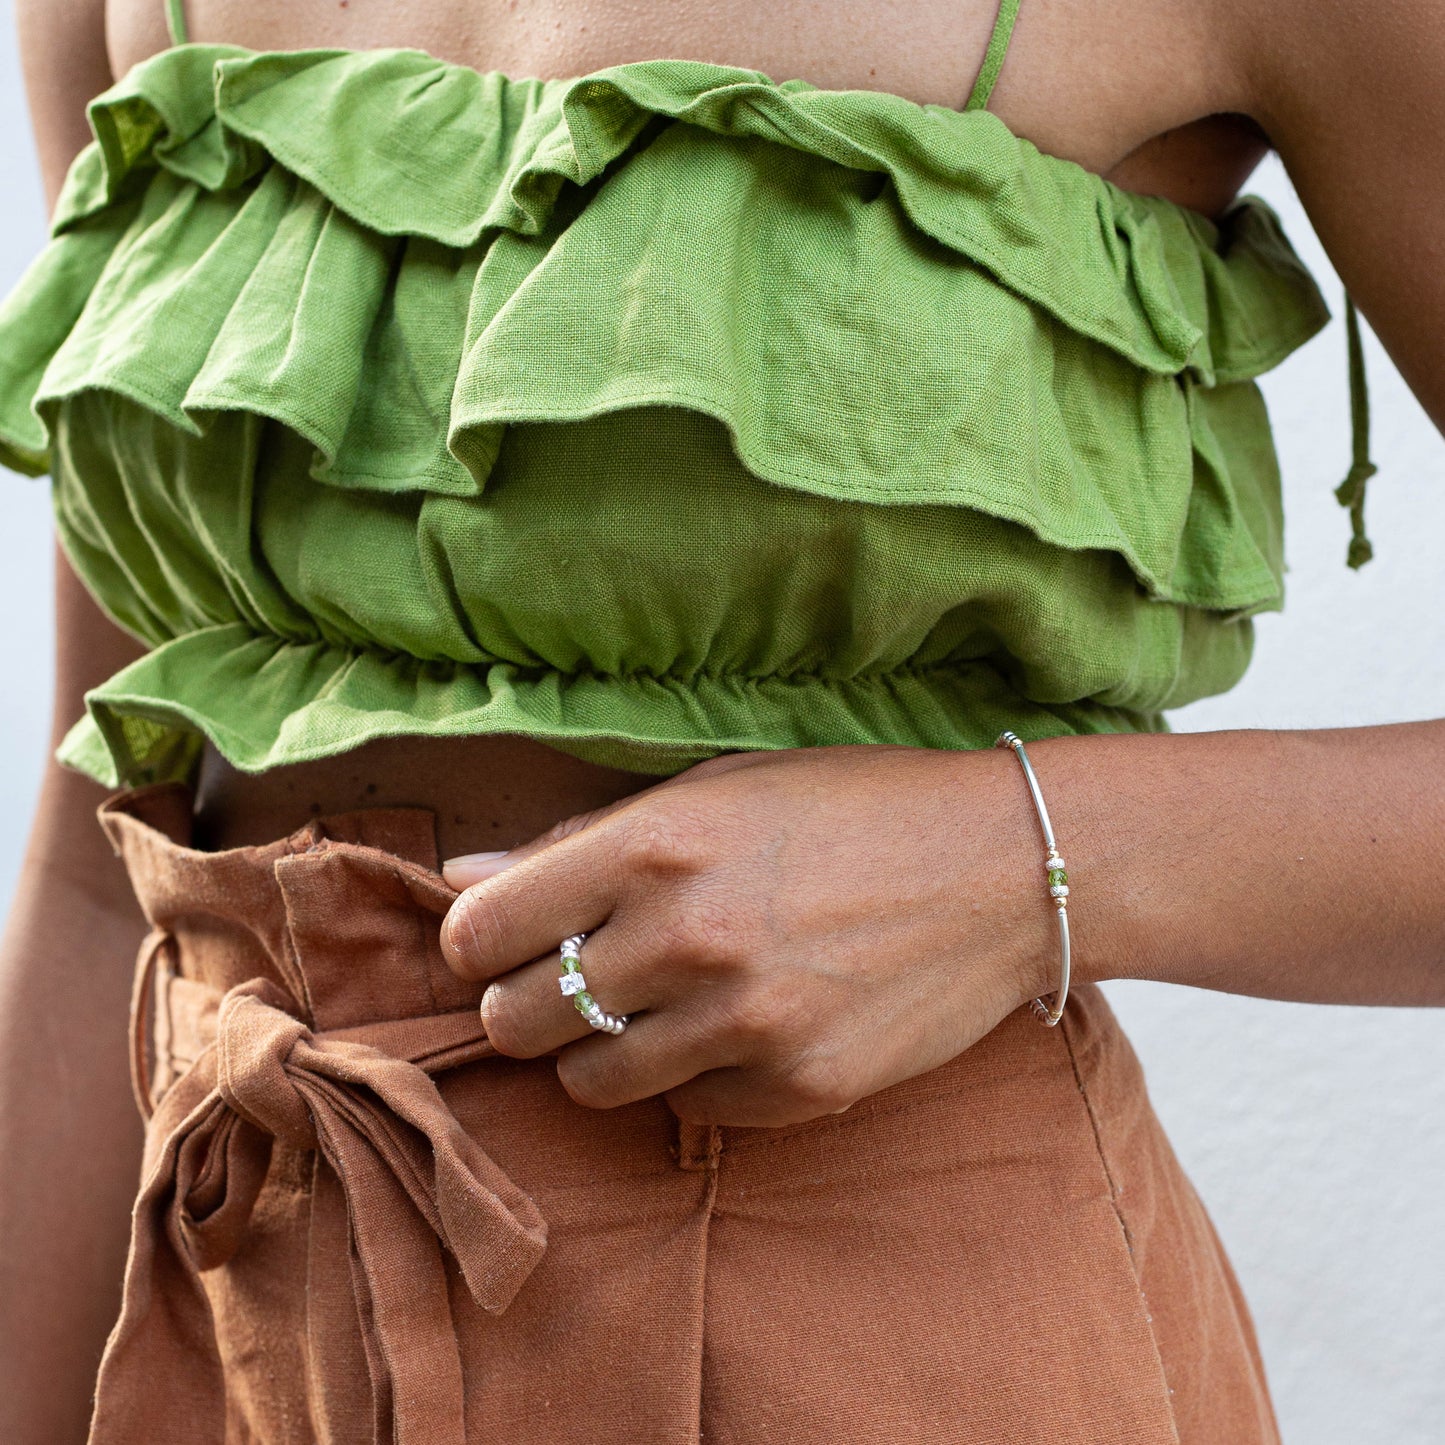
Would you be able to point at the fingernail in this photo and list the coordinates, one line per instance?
(461, 872)
(482, 1007)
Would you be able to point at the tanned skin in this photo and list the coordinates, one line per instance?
(767, 911)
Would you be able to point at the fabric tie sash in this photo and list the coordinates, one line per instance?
(404, 1180)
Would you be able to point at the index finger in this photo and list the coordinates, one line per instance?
(526, 910)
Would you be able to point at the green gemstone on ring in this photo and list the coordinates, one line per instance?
(1057, 876)
(584, 1001)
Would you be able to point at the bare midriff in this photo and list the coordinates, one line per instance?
(487, 792)
(1061, 89)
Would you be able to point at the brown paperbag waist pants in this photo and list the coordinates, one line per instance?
(358, 1223)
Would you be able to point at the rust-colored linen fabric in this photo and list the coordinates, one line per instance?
(358, 1223)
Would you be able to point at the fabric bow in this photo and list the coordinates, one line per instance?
(405, 1180)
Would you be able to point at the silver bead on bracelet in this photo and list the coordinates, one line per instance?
(1058, 882)
(574, 986)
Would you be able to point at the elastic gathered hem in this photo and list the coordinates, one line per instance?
(264, 702)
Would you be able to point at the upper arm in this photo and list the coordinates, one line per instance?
(63, 56)
(1352, 94)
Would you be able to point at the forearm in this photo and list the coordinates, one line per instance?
(1284, 864)
(69, 1132)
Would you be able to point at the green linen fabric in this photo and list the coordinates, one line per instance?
(655, 413)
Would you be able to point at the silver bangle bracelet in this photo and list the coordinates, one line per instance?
(1049, 1013)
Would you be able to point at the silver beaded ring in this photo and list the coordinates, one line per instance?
(1058, 882)
(574, 986)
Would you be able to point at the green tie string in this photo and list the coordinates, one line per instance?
(1351, 492)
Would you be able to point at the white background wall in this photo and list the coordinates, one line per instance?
(1316, 1135)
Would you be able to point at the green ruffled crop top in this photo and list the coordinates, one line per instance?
(656, 413)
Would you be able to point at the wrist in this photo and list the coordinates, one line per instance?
(1103, 798)
(1170, 878)
(1266, 862)
(1006, 917)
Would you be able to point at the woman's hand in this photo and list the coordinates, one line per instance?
(798, 929)
(792, 931)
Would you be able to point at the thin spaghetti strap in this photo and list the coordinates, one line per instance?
(1003, 29)
(176, 21)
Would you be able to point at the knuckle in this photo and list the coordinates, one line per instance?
(704, 934)
(769, 1015)
(661, 846)
(758, 1017)
(822, 1085)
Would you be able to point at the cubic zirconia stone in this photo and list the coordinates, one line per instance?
(572, 983)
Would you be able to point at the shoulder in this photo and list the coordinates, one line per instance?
(1142, 67)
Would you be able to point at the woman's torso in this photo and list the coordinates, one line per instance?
(1137, 110)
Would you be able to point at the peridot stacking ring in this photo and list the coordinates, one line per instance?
(574, 986)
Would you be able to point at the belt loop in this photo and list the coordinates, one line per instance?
(698, 1146)
(147, 1007)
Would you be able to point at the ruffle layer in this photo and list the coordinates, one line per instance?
(231, 685)
(883, 302)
